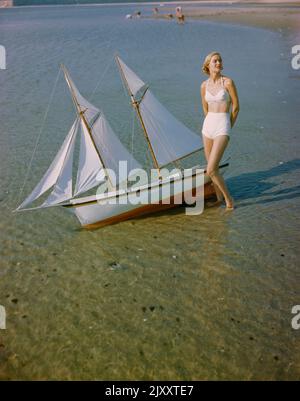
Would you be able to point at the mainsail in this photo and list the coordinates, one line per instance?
(170, 139)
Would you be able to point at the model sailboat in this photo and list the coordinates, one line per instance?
(99, 156)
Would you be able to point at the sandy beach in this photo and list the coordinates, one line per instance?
(267, 15)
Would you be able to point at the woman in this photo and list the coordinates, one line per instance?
(221, 107)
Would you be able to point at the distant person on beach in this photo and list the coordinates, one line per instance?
(179, 15)
(221, 107)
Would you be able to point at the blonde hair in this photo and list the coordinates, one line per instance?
(207, 60)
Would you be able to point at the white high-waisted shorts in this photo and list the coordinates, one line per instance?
(216, 124)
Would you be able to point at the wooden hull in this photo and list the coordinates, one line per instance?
(92, 214)
(145, 210)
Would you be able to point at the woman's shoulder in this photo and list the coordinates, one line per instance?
(203, 84)
(228, 82)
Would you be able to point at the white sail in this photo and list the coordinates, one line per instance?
(170, 139)
(89, 110)
(62, 190)
(134, 82)
(52, 174)
(89, 163)
(111, 149)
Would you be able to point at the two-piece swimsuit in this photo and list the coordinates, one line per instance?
(216, 124)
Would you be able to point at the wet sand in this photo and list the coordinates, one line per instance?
(269, 16)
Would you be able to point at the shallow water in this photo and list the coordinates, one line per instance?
(167, 296)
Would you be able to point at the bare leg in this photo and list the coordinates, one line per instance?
(208, 144)
(216, 153)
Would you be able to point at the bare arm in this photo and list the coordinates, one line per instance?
(204, 102)
(230, 86)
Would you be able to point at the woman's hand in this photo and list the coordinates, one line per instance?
(230, 86)
(204, 102)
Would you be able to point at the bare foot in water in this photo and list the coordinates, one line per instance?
(229, 204)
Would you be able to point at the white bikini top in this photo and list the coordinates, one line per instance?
(222, 96)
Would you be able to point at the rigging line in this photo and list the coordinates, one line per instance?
(125, 124)
(177, 38)
(39, 134)
(101, 79)
(111, 34)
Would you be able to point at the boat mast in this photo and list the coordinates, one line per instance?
(136, 106)
(82, 116)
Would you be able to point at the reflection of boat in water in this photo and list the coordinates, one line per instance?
(101, 151)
